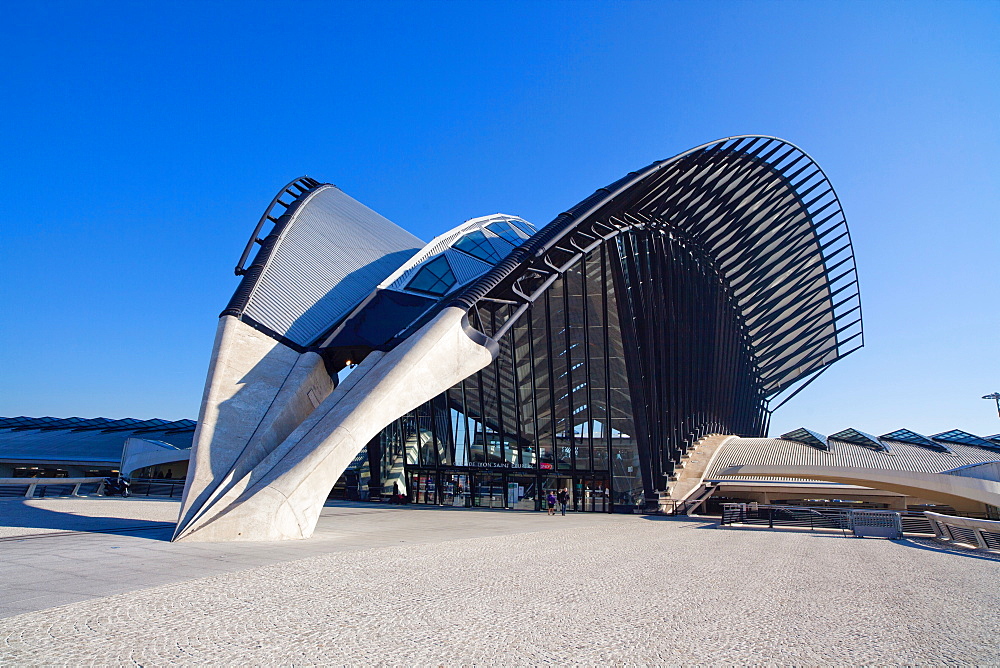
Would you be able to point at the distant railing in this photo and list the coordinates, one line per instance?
(864, 522)
(984, 534)
(38, 488)
(30, 488)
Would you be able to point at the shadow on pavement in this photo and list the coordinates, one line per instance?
(702, 522)
(20, 514)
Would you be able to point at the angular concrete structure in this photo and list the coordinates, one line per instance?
(500, 361)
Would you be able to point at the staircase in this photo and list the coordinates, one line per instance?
(689, 490)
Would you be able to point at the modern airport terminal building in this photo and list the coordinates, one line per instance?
(646, 332)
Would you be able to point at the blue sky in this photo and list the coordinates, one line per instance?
(141, 141)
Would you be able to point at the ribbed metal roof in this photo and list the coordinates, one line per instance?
(324, 256)
(97, 440)
(901, 457)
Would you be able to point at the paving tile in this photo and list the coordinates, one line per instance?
(424, 587)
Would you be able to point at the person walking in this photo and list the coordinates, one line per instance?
(551, 500)
(563, 498)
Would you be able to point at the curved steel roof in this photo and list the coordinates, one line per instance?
(763, 212)
(322, 257)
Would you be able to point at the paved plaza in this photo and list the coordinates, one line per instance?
(94, 581)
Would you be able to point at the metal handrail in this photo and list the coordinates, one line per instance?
(148, 485)
(840, 518)
(33, 483)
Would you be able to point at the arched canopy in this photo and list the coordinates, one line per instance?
(759, 209)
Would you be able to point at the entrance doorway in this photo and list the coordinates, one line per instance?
(554, 484)
(423, 488)
(592, 494)
(514, 490)
(489, 490)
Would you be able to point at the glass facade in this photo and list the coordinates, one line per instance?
(624, 359)
(553, 411)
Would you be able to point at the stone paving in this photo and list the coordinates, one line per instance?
(527, 589)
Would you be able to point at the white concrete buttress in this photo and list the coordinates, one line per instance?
(265, 463)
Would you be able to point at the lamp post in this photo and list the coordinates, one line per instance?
(996, 397)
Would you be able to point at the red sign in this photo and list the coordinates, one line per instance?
(545, 466)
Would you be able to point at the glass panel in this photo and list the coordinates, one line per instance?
(578, 372)
(622, 448)
(434, 278)
(522, 492)
(476, 245)
(556, 398)
(524, 226)
(505, 231)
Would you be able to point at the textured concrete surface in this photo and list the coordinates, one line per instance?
(390, 586)
(256, 393)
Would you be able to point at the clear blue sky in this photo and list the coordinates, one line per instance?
(141, 141)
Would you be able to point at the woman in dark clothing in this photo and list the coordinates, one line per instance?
(551, 500)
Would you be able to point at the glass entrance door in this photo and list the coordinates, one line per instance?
(489, 490)
(522, 492)
(554, 484)
(592, 494)
(423, 488)
(454, 490)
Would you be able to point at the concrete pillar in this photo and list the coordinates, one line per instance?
(257, 392)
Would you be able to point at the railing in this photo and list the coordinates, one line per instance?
(984, 534)
(29, 488)
(844, 519)
(295, 189)
(156, 487)
(794, 516)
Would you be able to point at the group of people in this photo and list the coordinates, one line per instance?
(561, 497)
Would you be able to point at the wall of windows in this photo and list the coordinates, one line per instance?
(629, 356)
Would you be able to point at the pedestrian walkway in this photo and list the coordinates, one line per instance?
(431, 586)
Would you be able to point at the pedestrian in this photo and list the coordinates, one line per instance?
(563, 498)
(551, 500)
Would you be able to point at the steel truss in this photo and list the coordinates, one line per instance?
(735, 280)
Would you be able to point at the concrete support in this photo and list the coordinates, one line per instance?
(280, 496)
(256, 393)
(944, 526)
